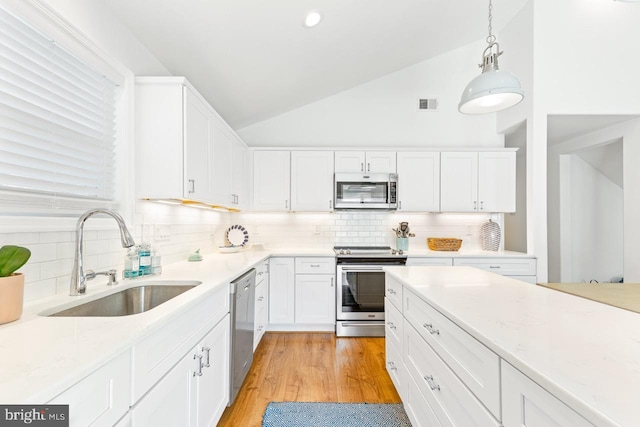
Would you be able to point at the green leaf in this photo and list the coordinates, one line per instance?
(12, 258)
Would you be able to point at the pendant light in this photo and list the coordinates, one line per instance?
(493, 90)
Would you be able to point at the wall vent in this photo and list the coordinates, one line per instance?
(427, 104)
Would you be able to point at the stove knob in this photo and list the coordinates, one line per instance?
(400, 252)
(341, 251)
(348, 251)
(393, 251)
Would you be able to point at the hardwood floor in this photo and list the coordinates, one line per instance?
(311, 367)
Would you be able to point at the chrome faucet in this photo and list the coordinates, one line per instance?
(78, 278)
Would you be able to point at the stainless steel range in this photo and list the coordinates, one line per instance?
(361, 288)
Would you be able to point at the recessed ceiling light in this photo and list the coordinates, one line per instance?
(312, 19)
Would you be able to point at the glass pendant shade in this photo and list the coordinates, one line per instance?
(491, 91)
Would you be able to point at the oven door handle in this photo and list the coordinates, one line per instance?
(361, 268)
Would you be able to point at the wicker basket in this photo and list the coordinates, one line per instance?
(443, 244)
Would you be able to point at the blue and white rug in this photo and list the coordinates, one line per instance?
(303, 414)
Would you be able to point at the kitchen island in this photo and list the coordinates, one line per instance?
(584, 354)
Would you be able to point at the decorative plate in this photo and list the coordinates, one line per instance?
(236, 235)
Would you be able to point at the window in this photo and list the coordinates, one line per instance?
(58, 127)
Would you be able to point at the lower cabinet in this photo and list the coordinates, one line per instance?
(195, 392)
(516, 268)
(102, 398)
(302, 294)
(262, 302)
(526, 404)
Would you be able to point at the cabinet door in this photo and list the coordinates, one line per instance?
(311, 181)
(168, 404)
(281, 290)
(239, 181)
(497, 181)
(212, 387)
(222, 167)
(458, 182)
(349, 161)
(198, 137)
(380, 162)
(526, 404)
(419, 182)
(101, 398)
(271, 180)
(315, 298)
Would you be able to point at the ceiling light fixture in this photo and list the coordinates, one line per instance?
(493, 90)
(312, 19)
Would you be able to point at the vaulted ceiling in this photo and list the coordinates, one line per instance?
(254, 59)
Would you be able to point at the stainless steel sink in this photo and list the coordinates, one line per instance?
(127, 301)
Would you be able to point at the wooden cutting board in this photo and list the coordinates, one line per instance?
(621, 295)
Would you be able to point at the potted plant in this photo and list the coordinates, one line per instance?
(12, 283)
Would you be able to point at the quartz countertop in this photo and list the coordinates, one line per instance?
(41, 357)
(621, 295)
(585, 353)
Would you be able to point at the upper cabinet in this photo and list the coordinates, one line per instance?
(312, 181)
(229, 168)
(418, 181)
(365, 162)
(184, 149)
(271, 178)
(478, 181)
(174, 136)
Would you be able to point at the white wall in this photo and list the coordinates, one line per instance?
(595, 250)
(383, 112)
(515, 224)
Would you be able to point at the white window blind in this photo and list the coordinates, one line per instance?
(57, 114)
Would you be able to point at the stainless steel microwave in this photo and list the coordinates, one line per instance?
(366, 191)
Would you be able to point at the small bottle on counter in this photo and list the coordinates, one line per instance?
(156, 262)
(144, 252)
(131, 264)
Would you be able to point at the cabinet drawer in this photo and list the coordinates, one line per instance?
(395, 368)
(418, 409)
(312, 265)
(155, 354)
(393, 291)
(525, 403)
(447, 262)
(476, 365)
(451, 401)
(102, 398)
(393, 324)
(503, 266)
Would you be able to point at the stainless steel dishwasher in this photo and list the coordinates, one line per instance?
(241, 308)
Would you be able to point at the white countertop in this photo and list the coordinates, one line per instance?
(585, 353)
(42, 356)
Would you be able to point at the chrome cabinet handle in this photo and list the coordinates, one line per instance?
(199, 371)
(207, 351)
(332, 282)
(193, 186)
(391, 325)
(391, 291)
(368, 167)
(392, 366)
(481, 205)
(314, 265)
(260, 273)
(330, 204)
(400, 205)
(260, 298)
(260, 328)
(475, 205)
(286, 204)
(429, 327)
(361, 167)
(494, 266)
(432, 384)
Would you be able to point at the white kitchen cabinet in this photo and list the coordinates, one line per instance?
(526, 404)
(311, 181)
(102, 398)
(315, 298)
(365, 162)
(281, 291)
(418, 181)
(271, 180)
(174, 140)
(229, 168)
(262, 302)
(195, 392)
(478, 182)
